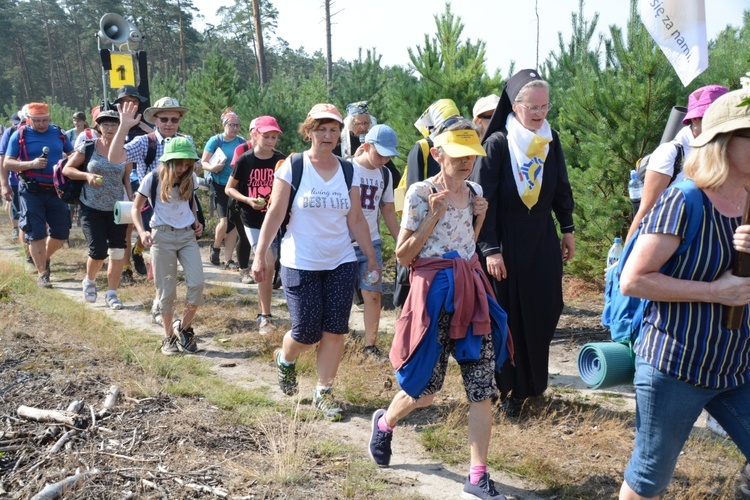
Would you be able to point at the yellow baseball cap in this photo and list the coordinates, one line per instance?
(459, 143)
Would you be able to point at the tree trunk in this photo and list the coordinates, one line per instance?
(260, 54)
(43, 11)
(183, 66)
(329, 56)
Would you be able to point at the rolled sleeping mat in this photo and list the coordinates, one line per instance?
(674, 124)
(122, 212)
(606, 364)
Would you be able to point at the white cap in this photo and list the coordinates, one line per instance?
(485, 104)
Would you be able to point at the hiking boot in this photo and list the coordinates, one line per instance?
(231, 266)
(127, 277)
(89, 290)
(185, 337)
(246, 278)
(156, 315)
(373, 351)
(380, 442)
(169, 346)
(323, 401)
(214, 259)
(43, 281)
(136, 254)
(484, 489)
(512, 407)
(287, 375)
(264, 324)
(745, 477)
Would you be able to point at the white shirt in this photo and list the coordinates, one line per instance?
(175, 212)
(662, 159)
(371, 193)
(317, 237)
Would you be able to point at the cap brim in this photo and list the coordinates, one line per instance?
(324, 116)
(268, 128)
(384, 151)
(176, 156)
(461, 150)
(707, 135)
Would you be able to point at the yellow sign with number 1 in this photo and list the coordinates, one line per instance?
(122, 72)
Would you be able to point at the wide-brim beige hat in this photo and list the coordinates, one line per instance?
(164, 104)
(724, 115)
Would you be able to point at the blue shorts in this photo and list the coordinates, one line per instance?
(362, 263)
(40, 211)
(666, 410)
(15, 207)
(319, 301)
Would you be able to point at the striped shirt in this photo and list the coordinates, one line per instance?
(137, 149)
(686, 339)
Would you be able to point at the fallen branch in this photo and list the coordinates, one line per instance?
(131, 459)
(13, 448)
(109, 401)
(75, 406)
(62, 417)
(64, 439)
(56, 490)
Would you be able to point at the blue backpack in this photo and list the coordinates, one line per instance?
(623, 315)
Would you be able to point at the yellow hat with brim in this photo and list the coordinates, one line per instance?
(460, 143)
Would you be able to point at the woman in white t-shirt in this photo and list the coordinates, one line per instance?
(660, 170)
(174, 227)
(318, 264)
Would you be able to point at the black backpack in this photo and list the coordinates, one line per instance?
(297, 168)
(642, 164)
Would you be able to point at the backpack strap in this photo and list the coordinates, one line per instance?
(425, 145)
(88, 152)
(151, 151)
(677, 167)
(23, 155)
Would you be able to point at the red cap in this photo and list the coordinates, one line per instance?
(267, 123)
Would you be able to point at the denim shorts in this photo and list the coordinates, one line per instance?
(666, 410)
(40, 211)
(362, 263)
(319, 301)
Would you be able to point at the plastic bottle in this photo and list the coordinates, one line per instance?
(635, 188)
(372, 277)
(613, 256)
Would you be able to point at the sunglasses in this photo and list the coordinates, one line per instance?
(447, 123)
(165, 119)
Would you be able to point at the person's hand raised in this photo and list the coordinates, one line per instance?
(129, 116)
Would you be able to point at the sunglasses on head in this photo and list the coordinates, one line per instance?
(447, 123)
(165, 119)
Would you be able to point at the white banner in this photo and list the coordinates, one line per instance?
(679, 28)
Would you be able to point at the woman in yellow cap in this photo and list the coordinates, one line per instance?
(442, 216)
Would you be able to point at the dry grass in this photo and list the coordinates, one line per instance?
(573, 449)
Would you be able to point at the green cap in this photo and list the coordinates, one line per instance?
(178, 148)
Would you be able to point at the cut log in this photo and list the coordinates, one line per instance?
(57, 490)
(109, 401)
(64, 439)
(61, 417)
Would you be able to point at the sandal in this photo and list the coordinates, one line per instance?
(113, 302)
(89, 291)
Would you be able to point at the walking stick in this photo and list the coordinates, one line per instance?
(741, 267)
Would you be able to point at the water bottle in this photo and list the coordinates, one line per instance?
(613, 256)
(635, 188)
(372, 277)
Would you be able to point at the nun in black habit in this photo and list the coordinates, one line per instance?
(525, 180)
